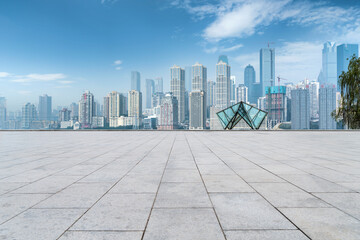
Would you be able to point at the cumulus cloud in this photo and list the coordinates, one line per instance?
(4, 74)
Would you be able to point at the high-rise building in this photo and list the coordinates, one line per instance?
(188, 78)
(168, 119)
(156, 99)
(150, 89)
(135, 107)
(314, 99)
(232, 89)
(249, 80)
(199, 77)
(223, 86)
(327, 104)
(45, 107)
(74, 108)
(267, 69)
(329, 66)
(2, 112)
(197, 110)
(106, 109)
(159, 84)
(276, 105)
(116, 104)
(28, 115)
(177, 87)
(344, 54)
(210, 94)
(300, 108)
(64, 115)
(255, 92)
(86, 109)
(241, 93)
(135, 81)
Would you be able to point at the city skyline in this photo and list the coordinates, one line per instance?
(91, 50)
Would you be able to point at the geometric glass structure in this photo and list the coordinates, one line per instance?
(230, 116)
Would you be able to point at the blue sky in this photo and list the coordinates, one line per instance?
(63, 47)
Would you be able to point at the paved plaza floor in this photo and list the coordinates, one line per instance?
(132, 185)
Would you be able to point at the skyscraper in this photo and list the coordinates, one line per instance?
(64, 115)
(197, 109)
(223, 87)
(177, 87)
(135, 81)
(199, 77)
(116, 104)
(232, 89)
(329, 66)
(86, 109)
(135, 107)
(168, 119)
(28, 115)
(159, 84)
(276, 105)
(267, 68)
(249, 80)
(45, 108)
(150, 90)
(344, 54)
(210, 94)
(106, 109)
(300, 108)
(2, 112)
(241, 93)
(314, 99)
(327, 104)
(74, 108)
(188, 78)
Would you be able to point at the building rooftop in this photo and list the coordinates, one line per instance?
(157, 185)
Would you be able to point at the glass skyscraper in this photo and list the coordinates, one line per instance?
(150, 90)
(223, 85)
(267, 68)
(249, 80)
(188, 78)
(344, 54)
(177, 87)
(329, 68)
(45, 107)
(135, 81)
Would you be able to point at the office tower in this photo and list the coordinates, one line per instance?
(45, 108)
(2, 112)
(74, 108)
(344, 54)
(28, 115)
(210, 94)
(255, 92)
(159, 84)
(168, 119)
(135, 81)
(197, 109)
(267, 69)
(300, 108)
(223, 90)
(241, 93)
(135, 107)
(232, 90)
(327, 104)
(276, 105)
(156, 99)
(186, 106)
(64, 115)
(177, 87)
(314, 99)
(106, 109)
(199, 77)
(329, 66)
(188, 78)
(97, 108)
(150, 89)
(86, 109)
(249, 80)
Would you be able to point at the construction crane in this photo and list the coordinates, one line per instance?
(278, 98)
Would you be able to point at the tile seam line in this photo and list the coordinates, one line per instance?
(212, 204)
(255, 189)
(306, 173)
(157, 191)
(110, 188)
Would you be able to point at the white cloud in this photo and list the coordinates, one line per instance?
(117, 62)
(65, 82)
(35, 77)
(118, 68)
(4, 74)
(233, 48)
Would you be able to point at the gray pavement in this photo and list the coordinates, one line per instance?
(180, 185)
